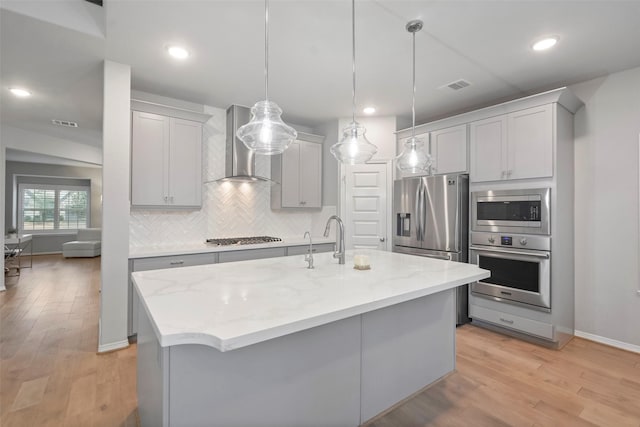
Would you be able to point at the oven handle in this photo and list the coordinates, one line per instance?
(510, 251)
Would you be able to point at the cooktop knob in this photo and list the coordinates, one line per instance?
(523, 241)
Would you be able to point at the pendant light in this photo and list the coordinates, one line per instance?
(414, 158)
(266, 133)
(353, 148)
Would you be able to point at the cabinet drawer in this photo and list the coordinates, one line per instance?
(250, 254)
(303, 250)
(510, 321)
(156, 263)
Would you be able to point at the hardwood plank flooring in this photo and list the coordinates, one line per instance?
(501, 380)
(50, 374)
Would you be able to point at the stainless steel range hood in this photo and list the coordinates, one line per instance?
(240, 162)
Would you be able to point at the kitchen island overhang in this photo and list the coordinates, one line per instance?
(269, 342)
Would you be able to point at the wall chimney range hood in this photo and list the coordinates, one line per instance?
(240, 162)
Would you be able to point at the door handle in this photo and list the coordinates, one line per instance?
(382, 239)
(511, 252)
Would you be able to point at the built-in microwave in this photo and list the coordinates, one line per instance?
(524, 211)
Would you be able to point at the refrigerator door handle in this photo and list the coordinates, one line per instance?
(418, 198)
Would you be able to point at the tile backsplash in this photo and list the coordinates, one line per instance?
(229, 209)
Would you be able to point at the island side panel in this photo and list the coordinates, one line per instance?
(152, 375)
(406, 347)
(309, 378)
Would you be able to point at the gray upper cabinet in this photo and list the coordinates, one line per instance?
(298, 174)
(449, 150)
(166, 161)
(517, 145)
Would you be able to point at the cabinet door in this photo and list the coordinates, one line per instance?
(291, 176)
(488, 149)
(185, 163)
(530, 147)
(449, 149)
(310, 174)
(149, 161)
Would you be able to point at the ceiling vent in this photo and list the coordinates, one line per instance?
(64, 123)
(458, 84)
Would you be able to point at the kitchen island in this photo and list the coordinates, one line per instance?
(270, 342)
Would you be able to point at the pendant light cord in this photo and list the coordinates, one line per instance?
(413, 105)
(266, 50)
(353, 55)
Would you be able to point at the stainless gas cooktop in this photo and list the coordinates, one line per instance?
(243, 240)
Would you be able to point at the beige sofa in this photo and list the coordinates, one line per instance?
(86, 245)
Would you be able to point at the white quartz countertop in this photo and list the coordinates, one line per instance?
(203, 247)
(233, 305)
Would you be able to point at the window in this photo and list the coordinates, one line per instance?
(47, 208)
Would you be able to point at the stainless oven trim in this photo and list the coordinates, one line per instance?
(537, 301)
(526, 227)
(523, 252)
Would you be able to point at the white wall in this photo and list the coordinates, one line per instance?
(115, 195)
(34, 142)
(330, 167)
(606, 207)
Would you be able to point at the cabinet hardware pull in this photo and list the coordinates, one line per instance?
(177, 262)
(506, 321)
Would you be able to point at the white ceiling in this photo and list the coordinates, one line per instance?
(484, 42)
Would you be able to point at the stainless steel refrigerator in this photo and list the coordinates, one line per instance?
(431, 219)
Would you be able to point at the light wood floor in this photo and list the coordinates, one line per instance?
(52, 376)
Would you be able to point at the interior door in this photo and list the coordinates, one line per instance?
(366, 207)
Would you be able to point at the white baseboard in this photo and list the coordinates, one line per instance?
(608, 341)
(103, 348)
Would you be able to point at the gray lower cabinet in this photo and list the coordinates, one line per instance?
(156, 263)
(245, 255)
(303, 250)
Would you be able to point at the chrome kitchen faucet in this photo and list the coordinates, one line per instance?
(309, 257)
(339, 253)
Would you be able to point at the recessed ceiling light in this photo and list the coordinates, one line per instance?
(178, 52)
(20, 92)
(545, 43)
(369, 110)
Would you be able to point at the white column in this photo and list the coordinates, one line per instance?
(115, 206)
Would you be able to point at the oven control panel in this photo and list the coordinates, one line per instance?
(520, 241)
(506, 240)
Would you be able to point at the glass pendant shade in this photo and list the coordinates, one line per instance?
(414, 158)
(266, 133)
(354, 147)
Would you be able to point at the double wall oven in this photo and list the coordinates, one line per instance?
(511, 237)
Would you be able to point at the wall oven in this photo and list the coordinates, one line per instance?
(511, 211)
(511, 237)
(520, 268)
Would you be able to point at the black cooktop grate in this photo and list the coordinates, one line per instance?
(243, 240)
